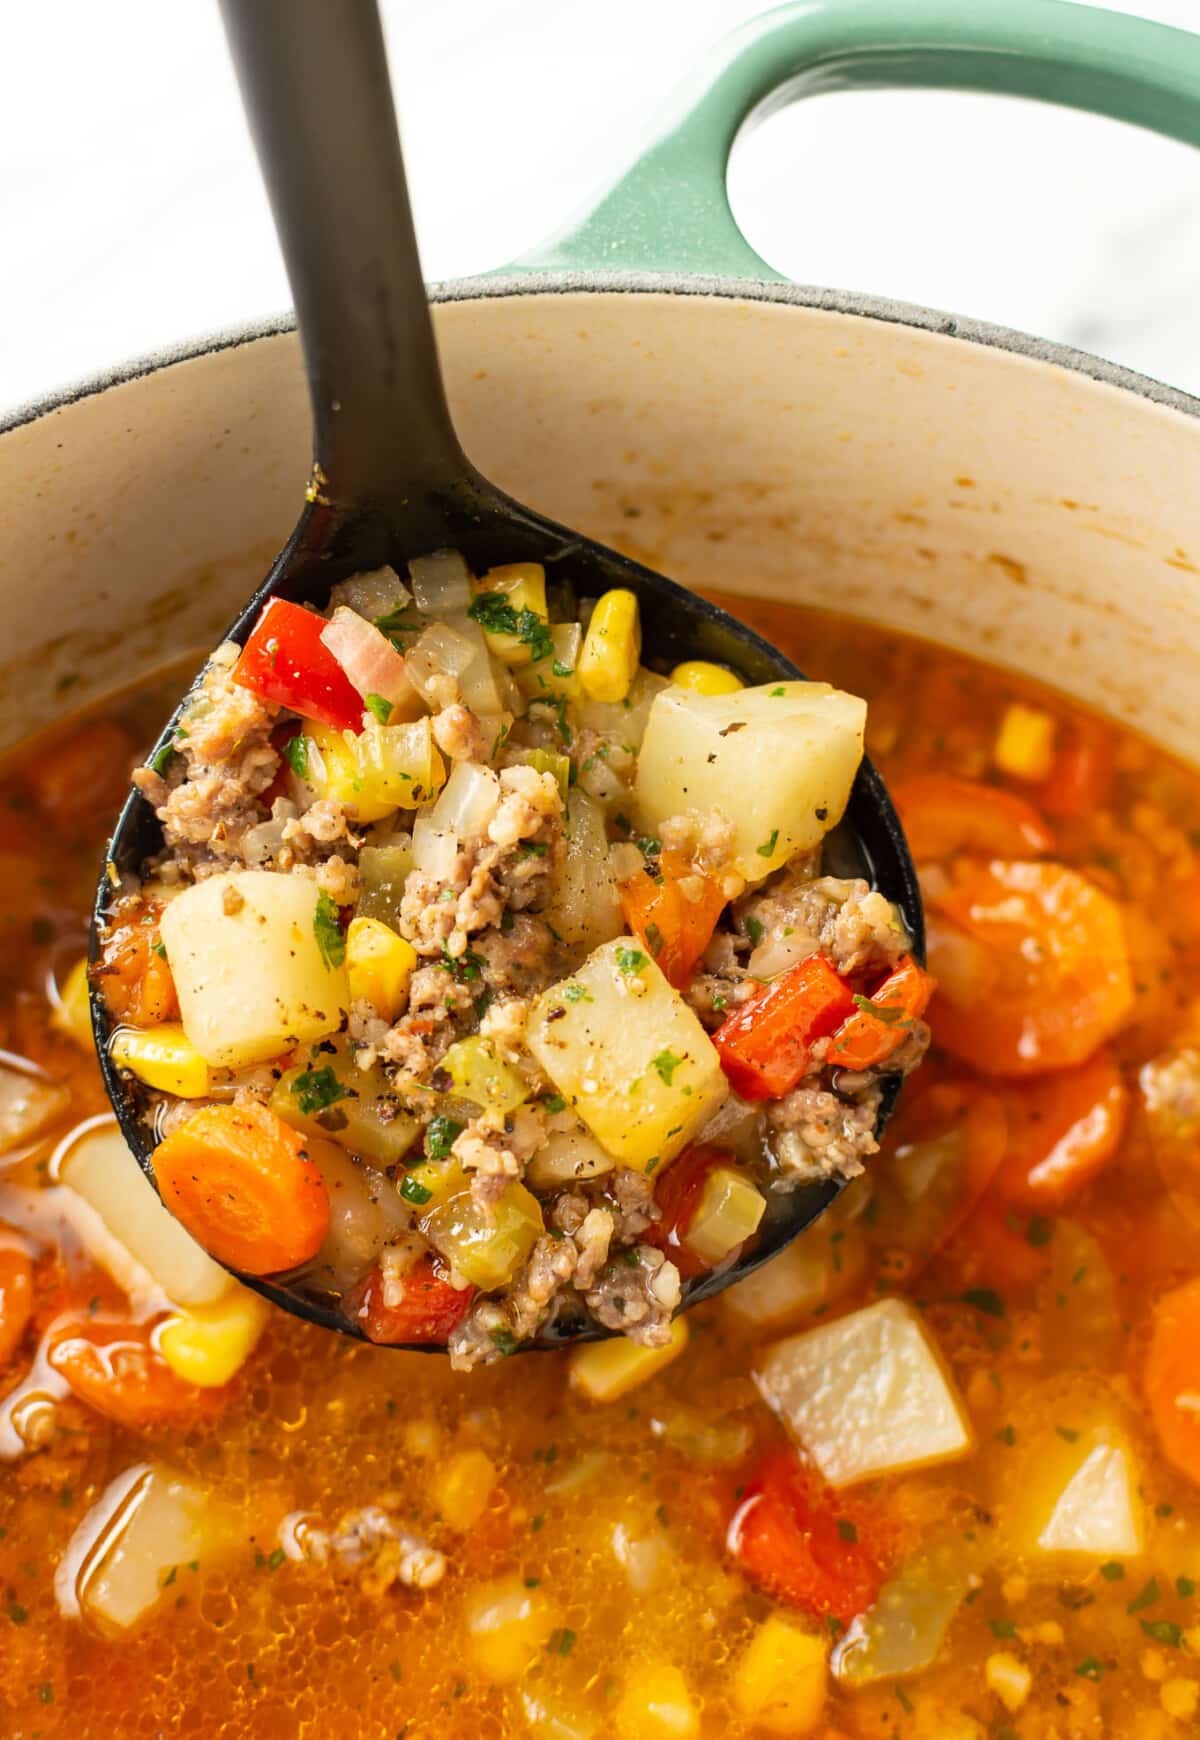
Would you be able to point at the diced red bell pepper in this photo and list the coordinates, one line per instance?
(867, 1038)
(675, 928)
(806, 1545)
(765, 1045)
(428, 1308)
(1080, 781)
(284, 660)
(677, 1195)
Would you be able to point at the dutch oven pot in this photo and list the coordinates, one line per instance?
(648, 378)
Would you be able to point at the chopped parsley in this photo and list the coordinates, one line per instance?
(160, 760)
(534, 848)
(1039, 1231)
(441, 1135)
(768, 846)
(776, 693)
(631, 960)
(1112, 1571)
(648, 846)
(18, 1614)
(1185, 1588)
(666, 1063)
(1003, 1627)
(535, 1524)
(846, 1529)
(891, 1014)
(835, 1625)
(317, 1089)
(562, 1640)
(1007, 1435)
(1068, 1434)
(561, 670)
(159, 948)
(296, 751)
(555, 1103)
(754, 930)
(376, 705)
(1090, 1669)
(984, 1299)
(1145, 1597)
(413, 1191)
(276, 1559)
(575, 993)
(655, 939)
(328, 931)
(1164, 1631)
(496, 614)
(395, 621)
(505, 1341)
(902, 1698)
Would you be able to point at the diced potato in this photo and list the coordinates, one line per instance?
(585, 906)
(1008, 1677)
(605, 1370)
(727, 1214)
(29, 1100)
(326, 1094)
(486, 1246)
(1097, 1511)
(72, 1014)
(101, 1170)
(1025, 742)
(365, 1214)
(820, 1265)
(779, 1684)
(556, 677)
(867, 1394)
(656, 1705)
(565, 1156)
(483, 1078)
(210, 1344)
(379, 964)
(383, 871)
(126, 1553)
(163, 1057)
(523, 584)
(245, 952)
(597, 1036)
(508, 1625)
(704, 678)
(778, 761)
(548, 1719)
(612, 647)
(644, 1554)
(462, 1488)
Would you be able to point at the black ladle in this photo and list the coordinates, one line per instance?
(390, 480)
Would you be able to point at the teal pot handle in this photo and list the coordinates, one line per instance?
(670, 212)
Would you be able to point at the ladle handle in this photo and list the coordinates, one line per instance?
(314, 82)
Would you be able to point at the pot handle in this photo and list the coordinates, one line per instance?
(670, 211)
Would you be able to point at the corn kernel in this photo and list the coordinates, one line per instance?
(704, 678)
(508, 1625)
(421, 1439)
(463, 1488)
(1025, 743)
(73, 1015)
(379, 965)
(1180, 1698)
(611, 647)
(208, 1344)
(779, 1683)
(163, 1057)
(523, 585)
(1153, 1664)
(1008, 1678)
(604, 1370)
(656, 1705)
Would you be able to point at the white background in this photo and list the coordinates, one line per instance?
(131, 214)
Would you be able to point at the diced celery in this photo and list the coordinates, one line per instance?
(328, 1095)
(482, 1077)
(727, 1214)
(383, 871)
(487, 1244)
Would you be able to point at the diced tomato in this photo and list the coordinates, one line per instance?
(677, 1194)
(133, 976)
(428, 1309)
(867, 1038)
(943, 815)
(115, 1368)
(806, 1545)
(1065, 1129)
(1080, 781)
(674, 914)
(765, 1045)
(284, 660)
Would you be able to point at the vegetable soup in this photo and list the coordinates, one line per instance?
(931, 1472)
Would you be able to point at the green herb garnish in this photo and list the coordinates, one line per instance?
(413, 1191)
(1039, 1232)
(1145, 1597)
(984, 1299)
(768, 846)
(1089, 1668)
(555, 1103)
(655, 938)
(630, 960)
(846, 1529)
(317, 1089)
(496, 614)
(376, 705)
(1163, 1631)
(577, 994)
(754, 930)
(1112, 1571)
(504, 1340)
(666, 1063)
(328, 931)
(441, 1135)
(296, 752)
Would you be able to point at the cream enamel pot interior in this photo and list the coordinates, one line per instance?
(1005, 497)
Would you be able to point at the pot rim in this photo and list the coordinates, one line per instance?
(887, 310)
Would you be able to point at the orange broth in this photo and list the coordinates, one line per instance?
(1036, 1344)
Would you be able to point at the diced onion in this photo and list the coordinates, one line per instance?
(441, 582)
(439, 652)
(369, 660)
(962, 967)
(372, 595)
(469, 801)
(262, 842)
(778, 952)
(434, 849)
(625, 860)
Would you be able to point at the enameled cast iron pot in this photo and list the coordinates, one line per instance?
(649, 379)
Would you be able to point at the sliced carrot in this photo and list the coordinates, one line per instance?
(84, 774)
(243, 1184)
(1080, 781)
(115, 1368)
(427, 1309)
(674, 914)
(992, 1250)
(16, 1299)
(943, 815)
(134, 978)
(882, 1022)
(1058, 966)
(1065, 1129)
(1172, 1377)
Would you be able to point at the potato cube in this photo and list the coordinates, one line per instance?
(326, 1094)
(779, 1684)
(606, 1370)
(603, 1037)
(250, 952)
(778, 761)
(867, 1394)
(508, 1626)
(1097, 1512)
(656, 1705)
(820, 1265)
